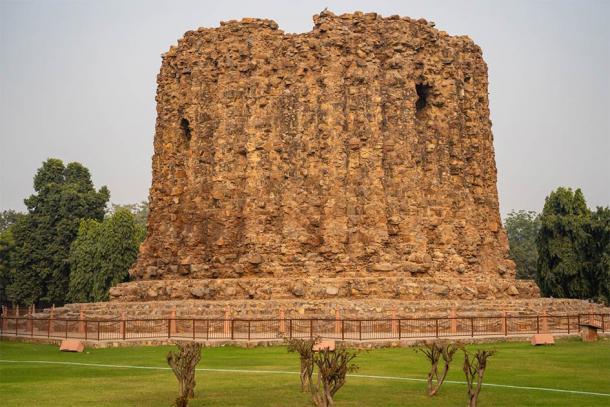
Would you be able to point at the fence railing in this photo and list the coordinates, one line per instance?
(270, 329)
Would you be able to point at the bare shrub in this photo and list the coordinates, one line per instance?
(304, 347)
(183, 363)
(333, 366)
(434, 352)
(474, 369)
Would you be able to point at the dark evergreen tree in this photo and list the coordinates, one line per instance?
(7, 244)
(596, 254)
(8, 218)
(522, 229)
(84, 261)
(119, 241)
(63, 196)
(561, 271)
(102, 254)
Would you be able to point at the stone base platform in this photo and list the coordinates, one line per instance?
(480, 287)
(324, 308)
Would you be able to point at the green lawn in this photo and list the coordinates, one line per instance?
(569, 365)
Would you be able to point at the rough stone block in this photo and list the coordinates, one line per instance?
(542, 339)
(71, 345)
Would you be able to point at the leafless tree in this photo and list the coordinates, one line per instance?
(333, 366)
(474, 369)
(183, 363)
(304, 347)
(434, 352)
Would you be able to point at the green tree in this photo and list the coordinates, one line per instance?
(561, 268)
(63, 196)
(139, 210)
(596, 252)
(8, 218)
(102, 254)
(120, 238)
(84, 260)
(7, 244)
(522, 229)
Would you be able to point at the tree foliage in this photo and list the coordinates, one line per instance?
(7, 244)
(8, 218)
(573, 247)
(84, 261)
(596, 251)
(39, 262)
(139, 210)
(102, 254)
(522, 229)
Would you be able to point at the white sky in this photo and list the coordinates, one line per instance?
(77, 82)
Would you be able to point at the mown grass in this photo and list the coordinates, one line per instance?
(569, 365)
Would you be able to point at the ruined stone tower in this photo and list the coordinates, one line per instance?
(354, 161)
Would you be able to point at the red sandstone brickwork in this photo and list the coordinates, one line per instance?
(353, 161)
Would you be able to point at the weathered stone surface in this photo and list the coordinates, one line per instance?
(325, 308)
(356, 159)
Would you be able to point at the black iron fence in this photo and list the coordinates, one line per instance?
(270, 329)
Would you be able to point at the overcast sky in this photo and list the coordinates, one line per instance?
(77, 82)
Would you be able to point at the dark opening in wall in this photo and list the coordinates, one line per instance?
(422, 96)
(186, 129)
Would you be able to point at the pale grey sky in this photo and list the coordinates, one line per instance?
(77, 82)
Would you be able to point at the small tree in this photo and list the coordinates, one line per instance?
(183, 364)
(474, 369)
(522, 228)
(304, 347)
(435, 351)
(333, 366)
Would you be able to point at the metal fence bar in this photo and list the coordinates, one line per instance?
(344, 329)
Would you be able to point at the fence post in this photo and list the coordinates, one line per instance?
(310, 328)
(453, 316)
(232, 329)
(29, 316)
(472, 326)
(360, 329)
(4, 320)
(81, 324)
(337, 325)
(17, 321)
(31, 326)
(248, 329)
(603, 326)
(290, 325)
(342, 330)
(505, 325)
(173, 325)
(193, 328)
(98, 330)
(282, 324)
(66, 321)
(537, 323)
(86, 328)
(399, 329)
(568, 323)
(393, 326)
(122, 325)
(51, 321)
(436, 326)
(169, 328)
